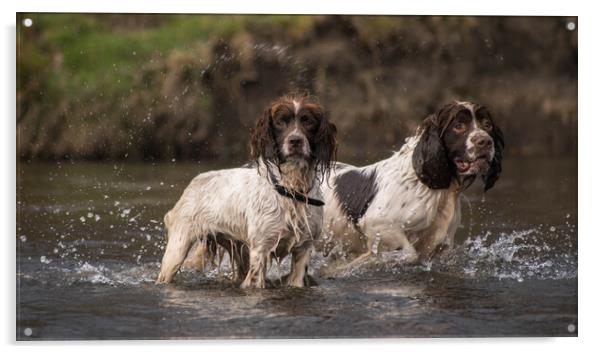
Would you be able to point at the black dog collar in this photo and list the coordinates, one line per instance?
(285, 192)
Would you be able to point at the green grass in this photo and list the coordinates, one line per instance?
(97, 57)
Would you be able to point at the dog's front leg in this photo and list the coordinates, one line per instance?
(256, 276)
(440, 234)
(389, 236)
(381, 235)
(299, 264)
(195, 260)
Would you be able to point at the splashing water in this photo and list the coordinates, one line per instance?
(533, 253)
(517, 255)
(66, 262)
(119, 242)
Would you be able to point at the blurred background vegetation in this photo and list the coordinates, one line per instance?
(155, 87)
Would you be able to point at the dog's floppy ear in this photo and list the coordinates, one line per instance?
(496, 164)
(263, 143)
(325, 143)
(430, 158)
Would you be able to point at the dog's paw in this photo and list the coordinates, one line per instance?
(252, 284)
(410, 257)
(307, 281)
(162, 279)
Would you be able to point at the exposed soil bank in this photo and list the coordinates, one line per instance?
(82, 96)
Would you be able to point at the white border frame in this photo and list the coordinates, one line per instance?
(589, 168)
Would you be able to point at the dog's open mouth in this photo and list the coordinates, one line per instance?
(473, 166)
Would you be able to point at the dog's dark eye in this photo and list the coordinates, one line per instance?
(281, 120)
(307, 121)
(487, 124)
(459, 127)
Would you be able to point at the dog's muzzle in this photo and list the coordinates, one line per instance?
(296, 144)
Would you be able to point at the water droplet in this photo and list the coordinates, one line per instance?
(23, 238)
(552, 228)
(27, 23)
(28, 332)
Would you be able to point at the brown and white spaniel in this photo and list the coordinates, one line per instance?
(270, 208)
(410, 201)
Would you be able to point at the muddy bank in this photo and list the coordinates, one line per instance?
(379, 76)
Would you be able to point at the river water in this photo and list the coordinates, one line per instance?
(90, 238)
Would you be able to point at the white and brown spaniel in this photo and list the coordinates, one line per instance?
(270, 208)
(410, 201)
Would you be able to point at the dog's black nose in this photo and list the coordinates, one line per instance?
(483, 141)
(295, 141)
